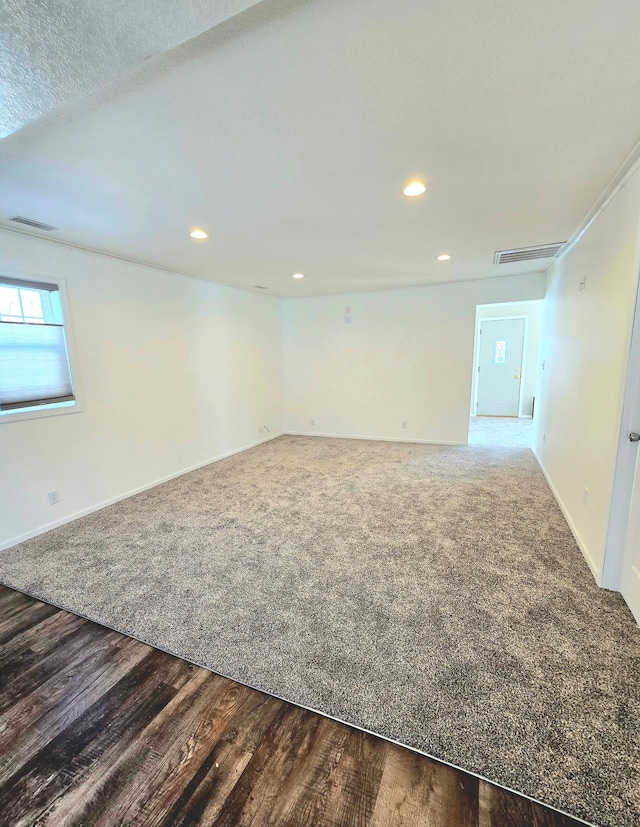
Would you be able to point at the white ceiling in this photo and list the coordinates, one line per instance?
(55, 51)
(289, 134)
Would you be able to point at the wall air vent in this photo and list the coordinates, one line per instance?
(528, 253)
(37, 225)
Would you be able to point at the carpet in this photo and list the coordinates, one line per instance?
(431, 594)
(500, 432)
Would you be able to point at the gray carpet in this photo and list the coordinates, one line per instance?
(431, 594)
(500, 432)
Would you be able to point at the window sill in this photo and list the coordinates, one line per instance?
(41, 412)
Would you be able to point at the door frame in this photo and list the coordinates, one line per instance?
(476, 359)
(626, 458)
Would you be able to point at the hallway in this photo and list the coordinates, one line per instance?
(500, 432)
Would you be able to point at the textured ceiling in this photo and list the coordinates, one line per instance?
(288, 132)
(55, 51)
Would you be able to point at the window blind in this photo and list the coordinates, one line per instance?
(34, 365)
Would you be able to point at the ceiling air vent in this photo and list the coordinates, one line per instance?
(38, 225)
(260, 287)
(528, 253)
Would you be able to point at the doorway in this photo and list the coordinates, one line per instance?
(505, 370)
(499, 380)
(630, 581)
(621, 568)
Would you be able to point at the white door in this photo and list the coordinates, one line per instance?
(500, 367)
(630, 586)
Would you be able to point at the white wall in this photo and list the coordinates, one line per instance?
(174, 372)
(585, 345)
(406, 356)
(533, 312)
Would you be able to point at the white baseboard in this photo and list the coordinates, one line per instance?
(373, 438)
(581, 544)
(83, 512)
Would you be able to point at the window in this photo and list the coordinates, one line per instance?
(35, 373)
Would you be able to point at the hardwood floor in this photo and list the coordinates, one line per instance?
(99, 729)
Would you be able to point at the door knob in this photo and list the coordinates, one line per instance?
(634, 437)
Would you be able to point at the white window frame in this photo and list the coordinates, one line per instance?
(55, 409)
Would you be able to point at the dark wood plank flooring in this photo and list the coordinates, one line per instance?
(99, 729)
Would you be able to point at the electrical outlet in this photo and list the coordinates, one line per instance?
(404, 426)
(582, 284)
(585, 496)
(53, 496)
(312, 422)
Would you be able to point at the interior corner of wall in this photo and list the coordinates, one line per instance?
(595, 569)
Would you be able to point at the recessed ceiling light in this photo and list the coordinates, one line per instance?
(297, 276)
(443, 257)
(414, 188)
(199, 234)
